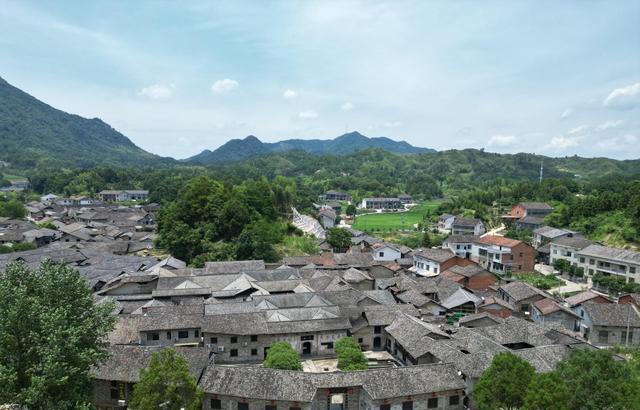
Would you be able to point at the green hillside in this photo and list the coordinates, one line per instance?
(33, 133)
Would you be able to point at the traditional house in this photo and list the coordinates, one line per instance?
(549, 311)
(521, 295)
(382, 251)
(432, 261)
(472, 277)
(327, 217)
(546, 234)
(444, 223)
(607, 324)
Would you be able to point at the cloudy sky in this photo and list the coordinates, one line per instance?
(552, 77)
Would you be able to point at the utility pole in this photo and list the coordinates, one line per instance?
(628, 324)
(541, 169)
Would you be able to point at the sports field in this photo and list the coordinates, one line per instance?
(393, 221)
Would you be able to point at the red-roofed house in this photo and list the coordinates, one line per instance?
(501, 255)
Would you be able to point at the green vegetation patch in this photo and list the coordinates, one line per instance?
(395, 221)
(539, 281)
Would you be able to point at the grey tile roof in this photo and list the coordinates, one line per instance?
(125, 362)
(582, 297)
(459, 298)
(435, 254)
(285, 385)
(572, 242)
(615, 254)
(536, 205)
(521, 290)
(611, 314)
(221, 268)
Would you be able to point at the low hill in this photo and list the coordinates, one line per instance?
(33, 133)
(240, 149)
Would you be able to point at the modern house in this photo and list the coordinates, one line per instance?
(123, 195)
(432, 261)
(460, 244)
(382, 203)
(528, 215)
(444, 223)
(567, 248)
(500, 255)
(383, 251)
(546, 234)
(467, 226)
(610, 261)
(332, 195)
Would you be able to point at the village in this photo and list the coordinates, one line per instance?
(429, 320)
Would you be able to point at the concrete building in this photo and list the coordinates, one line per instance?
(501, 255)
(610, 261)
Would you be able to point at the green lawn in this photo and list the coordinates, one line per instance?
(393, 221)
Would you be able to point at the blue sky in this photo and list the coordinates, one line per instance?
(551, 77)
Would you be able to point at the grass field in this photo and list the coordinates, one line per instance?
(394, 221)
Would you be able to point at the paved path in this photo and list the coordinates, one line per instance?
(495, 231)
(568, 286)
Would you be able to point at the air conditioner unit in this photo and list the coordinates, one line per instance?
(220, 349)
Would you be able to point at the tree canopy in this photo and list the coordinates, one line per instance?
(166, 381)
(51, 334)
(350, 356)
(504, 384)
(547, 391)
(282, 356)
(338, 238)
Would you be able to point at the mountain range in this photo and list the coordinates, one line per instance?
(239, 149)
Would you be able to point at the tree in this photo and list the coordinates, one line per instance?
(351, 210)
(562, 265)
(504, 383)
(51, 334)
(13, 209)
(339, 238)
(282, 356)
(426, 240)
(166, 381)
(547, 391)
(350, 356)
(598, 381)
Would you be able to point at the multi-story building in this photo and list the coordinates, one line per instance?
(382, 203)
(610, 261)
(123, 195)
(460, 244)
(467, 226)
(567, 248)
(501, 255)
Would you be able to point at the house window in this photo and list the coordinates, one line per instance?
(196, 333)
(592, 262)
(243, 406)
(359, 340)
(407, 405)
(233, 353)
(254, 352)
(377, 330)
(153, 336)
(254, 338)
(214, 340)
(454, 400)
(385, 407)
(435, 270)
(168, 335)
(328, 345)
(555, 251)
(581, 260)
(381, 254)
(234, 339)
(114, 390)
(632, 269)
(432, 403)
(216, 404)
(603, 336)
(183, 334)
(270, 407)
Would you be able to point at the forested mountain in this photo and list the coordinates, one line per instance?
(237, 149)
(33, 133)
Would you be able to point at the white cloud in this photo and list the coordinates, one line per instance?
(308, 115)
(347, 106)
(157, 91)
(289, 94)
(392, 124)
(566, 113)
(610, 124)
(579, 129)
(561, 143)
(617, 143)
(502, 140)
(624, 98)
(223, 86)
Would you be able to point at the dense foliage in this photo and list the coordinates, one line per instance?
(166, 383)
(587, 380)
(350, 356)
(12, 208)
(282, 356)
(211, 221)
(504, 384)
(51, 334)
